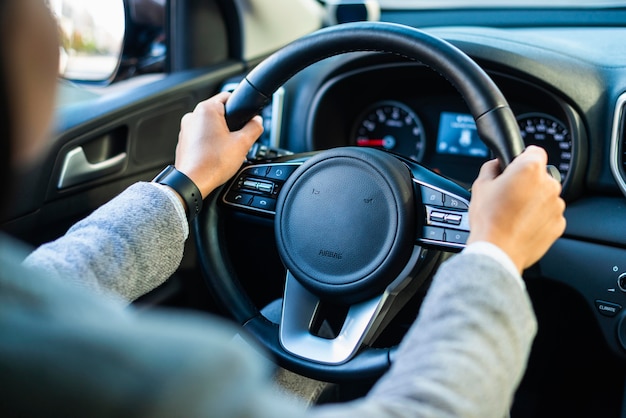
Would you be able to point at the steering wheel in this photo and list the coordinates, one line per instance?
(359, 230)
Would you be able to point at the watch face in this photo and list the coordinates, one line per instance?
(163, 174)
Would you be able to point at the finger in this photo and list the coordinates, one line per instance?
(489, 170)
(222, 97)
(213, 104)
(185, 119)
(253, 129)
(529, 164)
(535, 152)
(219, 102)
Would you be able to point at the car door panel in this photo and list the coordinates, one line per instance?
(117, 139)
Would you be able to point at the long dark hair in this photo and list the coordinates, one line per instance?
(6, 126)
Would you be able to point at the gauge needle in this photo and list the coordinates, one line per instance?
(367, 142)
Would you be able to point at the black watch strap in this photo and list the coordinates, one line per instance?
(184, 186)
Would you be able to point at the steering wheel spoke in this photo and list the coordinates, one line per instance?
(307, 330)
(331, 334)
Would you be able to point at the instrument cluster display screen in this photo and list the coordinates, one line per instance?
(458, 136)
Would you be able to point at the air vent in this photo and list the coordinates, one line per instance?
(618, 143)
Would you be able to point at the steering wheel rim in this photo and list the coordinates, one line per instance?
(495, 122)
(496, 125)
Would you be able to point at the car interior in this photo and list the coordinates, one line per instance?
(390, 85)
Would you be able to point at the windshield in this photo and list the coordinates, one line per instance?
(445, 4)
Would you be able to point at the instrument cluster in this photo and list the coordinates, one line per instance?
(412, 111)
(392, 125)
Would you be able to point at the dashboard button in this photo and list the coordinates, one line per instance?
(453, 202)
(607, 308)
(265, 203)
(431, 196)
(281, 172)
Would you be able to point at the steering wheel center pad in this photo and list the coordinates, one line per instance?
(345, 223)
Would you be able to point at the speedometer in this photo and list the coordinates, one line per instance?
(552, 135)
(393, 126)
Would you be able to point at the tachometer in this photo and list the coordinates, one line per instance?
(552, 135)
(393, 126)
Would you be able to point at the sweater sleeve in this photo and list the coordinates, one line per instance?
(125, 248)
(68, 352)
(465, 354)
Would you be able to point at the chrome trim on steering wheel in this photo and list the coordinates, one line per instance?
(362, 320)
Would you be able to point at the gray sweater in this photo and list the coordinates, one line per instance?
(66, 348)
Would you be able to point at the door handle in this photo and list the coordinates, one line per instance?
(77, 169)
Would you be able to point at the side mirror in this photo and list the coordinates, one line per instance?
(91, 38)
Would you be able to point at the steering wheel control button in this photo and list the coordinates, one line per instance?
(256, 187)
(608, 308)
(456, 237)
(281, 172)
(264, 187)
(238, 198)
(431, 196)
(453, 219)
(263, 203)
(259, 171)
(446, 218)
(434, 233)
(445, 226)
(454, 203)
(437, 217)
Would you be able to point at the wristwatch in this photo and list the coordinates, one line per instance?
(184, 186)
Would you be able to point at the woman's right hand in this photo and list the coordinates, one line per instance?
(520, 209)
